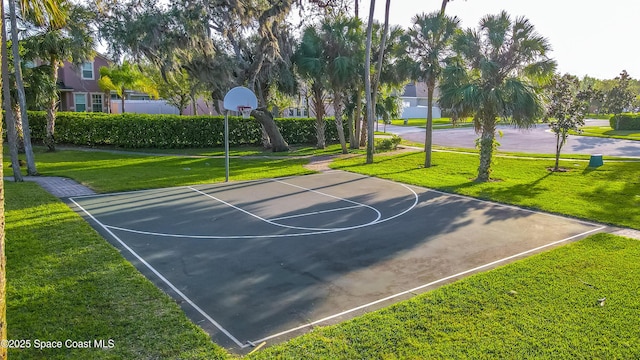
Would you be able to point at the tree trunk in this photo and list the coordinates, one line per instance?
(318, 105)
(264, 136)
(363, 129)
(31, 161)
(558, 148)
(367, 75)
(428, 140)
(122, 101)
(376, 83)
(19, 129)
(561, 139)
(3, 260)
(264, 117)
(107, 102)
(337, 107)
(443, 7)
(354, 136)
(487, 138)
(51, 109)
(3, 272)
(12, 134)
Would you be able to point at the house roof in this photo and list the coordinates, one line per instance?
(409, 90)
(62, 87)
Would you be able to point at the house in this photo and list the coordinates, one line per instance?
(414, 101)
(78, 86)
(79, 91)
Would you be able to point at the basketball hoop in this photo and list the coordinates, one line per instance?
(245, 111)
(238, 99)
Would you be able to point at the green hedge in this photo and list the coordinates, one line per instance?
(625, 122)
(168, 131)
(598, 116)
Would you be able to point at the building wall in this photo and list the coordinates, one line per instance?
(71, 76)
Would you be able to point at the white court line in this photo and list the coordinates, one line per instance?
(514, 207)
(415, 195)
(182, 295)
(290, 226)
(270, 236)
(316, 322)
(315, 213)
(466, 197)
(106, 227)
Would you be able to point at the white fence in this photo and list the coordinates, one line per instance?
(419, 112)
(159, 107)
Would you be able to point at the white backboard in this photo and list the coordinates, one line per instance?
(240, 96)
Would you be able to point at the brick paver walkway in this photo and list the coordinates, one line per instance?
(58, 186)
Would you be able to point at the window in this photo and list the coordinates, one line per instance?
(96, 102)
(87, 71)
(80, 101)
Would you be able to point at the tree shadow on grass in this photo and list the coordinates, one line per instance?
(510, 195)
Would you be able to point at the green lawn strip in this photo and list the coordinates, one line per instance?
(296, 150)
(109, 172)
(420, 147)
(609, 194)
(66, 282)
(422, 122)
(607, 132)
(542, 307)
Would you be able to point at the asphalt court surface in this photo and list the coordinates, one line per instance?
(267, 260)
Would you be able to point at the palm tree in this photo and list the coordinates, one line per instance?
(22, 101)
(57, 44)
(429, 41)
(310, 66)
(498, 74)
(342, 41)
(12, 132)
(368, 88)
(120, 78)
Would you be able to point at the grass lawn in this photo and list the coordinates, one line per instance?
(254, 151)
(423, 122)
(608, 132)
(66, 282)
(543, 307)
(111, 172)
(609, 194)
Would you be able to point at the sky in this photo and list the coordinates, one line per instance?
(595, 38)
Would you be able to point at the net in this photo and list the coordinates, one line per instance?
(245, 111)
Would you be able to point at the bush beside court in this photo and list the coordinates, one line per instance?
(169, 131)
(625, 122)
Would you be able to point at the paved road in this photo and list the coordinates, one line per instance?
(536, 140)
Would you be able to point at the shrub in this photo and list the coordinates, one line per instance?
(598, 116)
(625, 122)
(387, 144)
(131, 130)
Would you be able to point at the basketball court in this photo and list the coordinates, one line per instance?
(263, 261)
